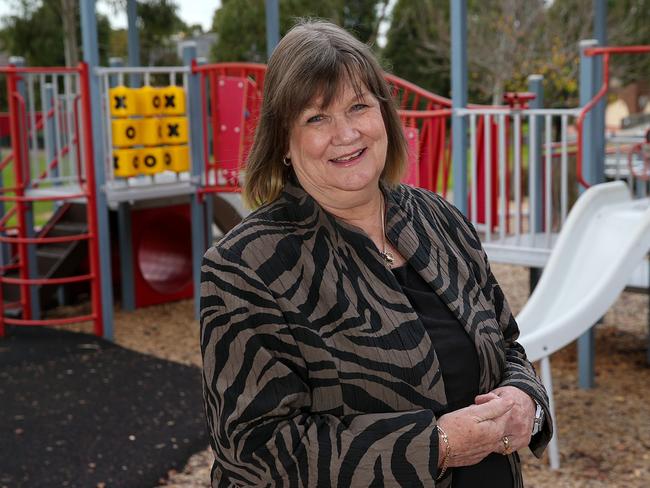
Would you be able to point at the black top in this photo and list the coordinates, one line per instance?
(460, 371)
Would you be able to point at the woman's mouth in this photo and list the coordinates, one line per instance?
(349, 158)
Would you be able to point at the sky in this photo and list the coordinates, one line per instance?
(190, 11)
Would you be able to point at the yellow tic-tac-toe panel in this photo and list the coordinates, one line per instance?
(151, 160)
(174, 130)
(173, 100)
(125, 162)
(126, 132)
(123, 101)
(176, 158)
(149, 100)
(150, 131)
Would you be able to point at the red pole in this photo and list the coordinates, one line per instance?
(93, 244)
(16, 148)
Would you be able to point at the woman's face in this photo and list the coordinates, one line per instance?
(338, 152)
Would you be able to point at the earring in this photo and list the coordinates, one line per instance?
(286, 161)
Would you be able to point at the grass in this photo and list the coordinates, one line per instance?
(42, 210)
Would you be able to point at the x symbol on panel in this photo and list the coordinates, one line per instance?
(120, 101)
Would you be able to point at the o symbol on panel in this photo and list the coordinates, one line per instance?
(149, 161)
(156, 101)
(130, 132)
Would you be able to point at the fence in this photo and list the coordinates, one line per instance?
(519, 191)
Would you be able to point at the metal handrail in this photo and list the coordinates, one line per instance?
(605, 52)
(20, 133)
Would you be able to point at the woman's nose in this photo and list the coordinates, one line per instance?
(345, 131)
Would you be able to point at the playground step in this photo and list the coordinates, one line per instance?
(67, 229)
(13, 311)
(52, 251)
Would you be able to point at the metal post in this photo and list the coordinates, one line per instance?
(208, 197)
(600, 33)
(4, 247)
(536, 86)
(586, 342)
(272, 26)
(124, 234)
(133, 40)
(49, 135)
(196, 205)
(459, 100)
(32, 264)
(91, 57)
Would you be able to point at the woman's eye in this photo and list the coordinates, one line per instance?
(314, 118)
(359, 106)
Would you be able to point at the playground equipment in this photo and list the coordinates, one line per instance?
(605, 237)
(172, 138)
(56, 144)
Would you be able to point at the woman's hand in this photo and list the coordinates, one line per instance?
(475, 431)
(519, 425)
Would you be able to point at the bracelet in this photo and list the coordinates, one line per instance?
(445, 460)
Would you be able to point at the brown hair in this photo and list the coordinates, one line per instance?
(314, 58)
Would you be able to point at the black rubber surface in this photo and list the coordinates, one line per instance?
(76, 410)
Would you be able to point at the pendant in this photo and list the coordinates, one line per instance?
(388, 257)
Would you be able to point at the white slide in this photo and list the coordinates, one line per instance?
(605, 237)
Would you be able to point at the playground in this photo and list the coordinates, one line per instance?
(116, 179)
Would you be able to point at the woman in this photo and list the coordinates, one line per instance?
(351, 329)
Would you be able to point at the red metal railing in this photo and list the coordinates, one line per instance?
(23, 238)
(231, 95)
(605, 52)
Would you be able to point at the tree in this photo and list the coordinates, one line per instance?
(241, 24)
(511, 39)
(157, 21)
(406, 53)
(71, 46)
(627, 24)
(36, 33)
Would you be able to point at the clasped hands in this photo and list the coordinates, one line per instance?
(499, 421)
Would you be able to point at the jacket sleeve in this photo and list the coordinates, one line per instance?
(258, 401)
(519, 371)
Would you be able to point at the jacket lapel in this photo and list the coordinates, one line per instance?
(418, 235)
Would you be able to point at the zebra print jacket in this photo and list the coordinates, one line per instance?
(303, 327)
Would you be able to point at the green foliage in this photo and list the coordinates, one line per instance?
(628, 24)
(36, 33)
(157, 21)
(241, 24)
(406, 54)
(507, 40)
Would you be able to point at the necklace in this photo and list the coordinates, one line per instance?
(386, 255)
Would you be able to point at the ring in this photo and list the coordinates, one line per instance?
(506, 444)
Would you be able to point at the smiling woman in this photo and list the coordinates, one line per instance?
(352, 332)
(338, 152)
